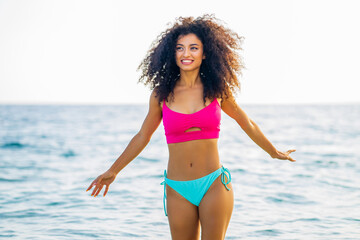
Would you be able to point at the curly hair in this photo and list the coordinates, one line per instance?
(218, 71)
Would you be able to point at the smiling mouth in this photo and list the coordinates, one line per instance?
(187, 62)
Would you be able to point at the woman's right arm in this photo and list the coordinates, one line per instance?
(133, 149)
(142, 138)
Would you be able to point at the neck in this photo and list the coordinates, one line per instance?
(189, 79)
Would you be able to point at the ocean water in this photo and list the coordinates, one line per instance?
(49, 155)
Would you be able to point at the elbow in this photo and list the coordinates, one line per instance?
(252, 123)
(248, 125)
(143, 137)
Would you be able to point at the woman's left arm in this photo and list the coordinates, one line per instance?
(231, 108)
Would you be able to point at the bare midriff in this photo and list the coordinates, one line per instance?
(193, 159)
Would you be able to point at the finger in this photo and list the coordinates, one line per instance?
(96, 182)
(95, 190)
(291, 150)
(99, 190)
(106, 190)
(291, 159)
(91, 185)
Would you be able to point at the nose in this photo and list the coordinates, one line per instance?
(186, 52)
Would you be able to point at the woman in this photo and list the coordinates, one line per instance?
(192, 69)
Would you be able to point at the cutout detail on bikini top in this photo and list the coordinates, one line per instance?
(176, 124)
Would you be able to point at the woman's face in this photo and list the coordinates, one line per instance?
(189, 52)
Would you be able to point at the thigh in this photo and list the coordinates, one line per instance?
(215, 210)
(183, 216)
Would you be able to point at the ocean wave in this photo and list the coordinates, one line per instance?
(13, 145)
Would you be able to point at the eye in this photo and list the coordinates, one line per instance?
(179, 48)
(194, 48)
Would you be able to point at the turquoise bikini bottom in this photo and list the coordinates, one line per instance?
(194, 190)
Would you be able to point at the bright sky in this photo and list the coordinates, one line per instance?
(87, 52)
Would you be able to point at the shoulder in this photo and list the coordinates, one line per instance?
(233, 110)
(229, 104)
(226, 98)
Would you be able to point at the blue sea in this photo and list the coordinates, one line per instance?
(49, 155)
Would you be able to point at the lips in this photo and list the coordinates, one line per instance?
(187, 61)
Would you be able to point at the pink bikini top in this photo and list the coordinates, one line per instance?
(207, 119)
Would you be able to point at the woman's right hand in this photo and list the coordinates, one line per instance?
(104, 179)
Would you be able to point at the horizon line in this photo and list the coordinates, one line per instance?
(146, 103)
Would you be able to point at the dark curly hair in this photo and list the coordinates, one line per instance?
(218, 72)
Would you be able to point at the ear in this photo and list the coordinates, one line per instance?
(203, 57)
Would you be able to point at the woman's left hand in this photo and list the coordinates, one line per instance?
(284, 155)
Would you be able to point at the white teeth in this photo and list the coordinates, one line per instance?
(186, 61)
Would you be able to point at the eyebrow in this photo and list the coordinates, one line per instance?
(190, 44)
